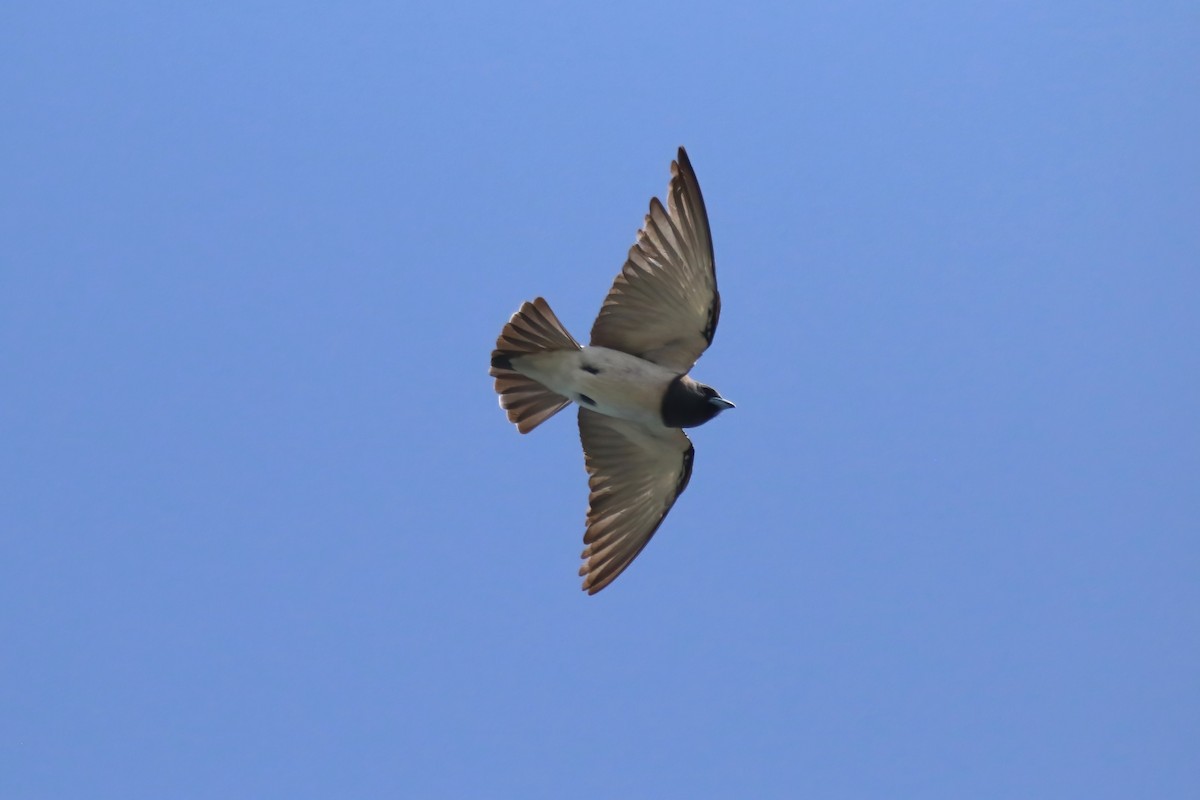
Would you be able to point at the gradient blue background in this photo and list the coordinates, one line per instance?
(267, 534)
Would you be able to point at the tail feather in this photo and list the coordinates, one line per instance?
(533, 329)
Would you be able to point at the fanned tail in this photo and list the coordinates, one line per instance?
(533, 329)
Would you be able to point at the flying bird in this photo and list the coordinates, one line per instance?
(631, 382)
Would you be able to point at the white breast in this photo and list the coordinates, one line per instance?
(603, 380)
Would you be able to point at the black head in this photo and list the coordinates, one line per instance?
(687, 403)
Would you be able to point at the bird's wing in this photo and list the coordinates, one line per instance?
(664, 305)
(635, 474)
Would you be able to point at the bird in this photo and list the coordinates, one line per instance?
(631, 380)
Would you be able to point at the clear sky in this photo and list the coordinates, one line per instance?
(266, 533)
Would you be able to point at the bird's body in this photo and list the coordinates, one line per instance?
(606, 381)
(631, 381)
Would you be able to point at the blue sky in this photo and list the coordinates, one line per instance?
(267, 534)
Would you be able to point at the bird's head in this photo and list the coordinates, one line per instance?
(715, 400)
(688, 403)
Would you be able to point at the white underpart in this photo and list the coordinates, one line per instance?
(625, 386)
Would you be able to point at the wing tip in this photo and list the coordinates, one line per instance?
(590, 584)
(681, 162)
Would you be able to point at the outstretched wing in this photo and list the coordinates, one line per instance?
(635, 474)
(664, 304)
